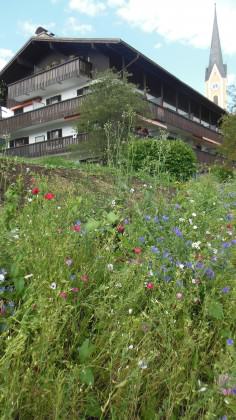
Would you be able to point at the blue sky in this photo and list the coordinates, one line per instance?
(175, 34)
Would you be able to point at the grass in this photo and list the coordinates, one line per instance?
(118, 298)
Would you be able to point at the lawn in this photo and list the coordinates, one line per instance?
(117, 295)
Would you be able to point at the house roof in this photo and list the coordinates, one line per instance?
(216, 52)
(36, 46)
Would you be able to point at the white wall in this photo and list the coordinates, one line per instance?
(67, 130)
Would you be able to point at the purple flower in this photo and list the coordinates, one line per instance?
(155, 250)
(226, 245)
(156, 219)
(229, 342)
(229, 216)
(126, 221)
(233, 242)
(177, 232)
(167, 279)
(147, 218)
(78, 222)
(165, 218)
(177, 206)
(209, 273)
(166, 254)
(226, 289)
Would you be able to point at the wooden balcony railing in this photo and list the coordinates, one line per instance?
(41, 115)
(174, 119)
(43, 79)
(60, 145)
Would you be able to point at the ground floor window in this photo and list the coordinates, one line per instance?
(19, 142)
(54, 134)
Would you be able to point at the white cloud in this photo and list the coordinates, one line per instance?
(231, 79)
(28, 28)
(73, 25)
(88, 7)
(5, 56)
(182, 21)
(158, 45)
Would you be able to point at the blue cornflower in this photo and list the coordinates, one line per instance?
(141, 239)
(167, 279)
(229, 342)
(156, 219)
(189, 265)
(233, 242)
(165, 218)
(199, 265)
(177, 206)
(209, 273)
(166, 254)
(155, 250)
(177, 232)
(147, 218)
(2, 289)
(229, 216)
(226, 289)
(226, 245)
(126, 221)
(78, 222)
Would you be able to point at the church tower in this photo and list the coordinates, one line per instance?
(216, 72)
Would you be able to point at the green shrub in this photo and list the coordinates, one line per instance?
(222, 173)
(158, 156)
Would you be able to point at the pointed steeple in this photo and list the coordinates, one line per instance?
(216, 52)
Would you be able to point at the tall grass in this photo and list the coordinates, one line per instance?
(118, 304)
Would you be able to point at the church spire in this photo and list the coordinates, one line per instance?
(216, 52)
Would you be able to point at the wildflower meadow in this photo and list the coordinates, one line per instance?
(117, 298)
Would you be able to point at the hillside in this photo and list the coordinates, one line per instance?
(117, 295)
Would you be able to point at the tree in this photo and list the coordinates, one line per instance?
(228, 127)
(109, 100)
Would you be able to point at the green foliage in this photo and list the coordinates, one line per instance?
(228, 128)
(110, 97)
(223, 173)
(158, 156)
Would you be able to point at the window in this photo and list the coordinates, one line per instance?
(19, 142)
(18, 111)
(54, 134)
(53, 100)
(169, 98)
(39, 138)
(82, 91)
(215, 99)
(183, 105)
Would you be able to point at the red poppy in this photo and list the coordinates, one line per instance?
(137, 250)
(35, 191)
(150, 285)
(76, 228)
(63, 295)
(120, 229)
(49, 196)
(229, 226)
(84, 278)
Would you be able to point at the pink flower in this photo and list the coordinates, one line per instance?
(74, 289)
(120, 229)
(76, 228)
(63, 295)
(68, 261)
(84, 278)
(49, 196)
(137, 250)
(150, 285)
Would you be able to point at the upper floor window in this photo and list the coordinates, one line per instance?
(54, 134)
(215, 99)
(53, 100)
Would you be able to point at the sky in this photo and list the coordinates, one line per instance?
(175, 34)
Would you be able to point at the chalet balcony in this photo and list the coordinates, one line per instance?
(57, 111)
(49, 147)
(61, 75)
(175, 120)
